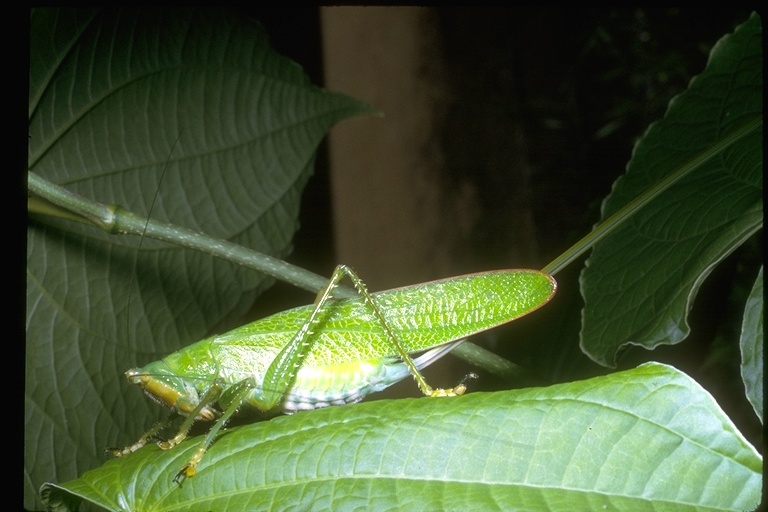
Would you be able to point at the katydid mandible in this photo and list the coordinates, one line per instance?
(333, 352)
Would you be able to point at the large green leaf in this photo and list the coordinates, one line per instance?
(641, 280)
(645, 439)
(119, 98)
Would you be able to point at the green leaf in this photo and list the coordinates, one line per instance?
(121, 102)
(752, 347)
(641, 280)
(645, 439)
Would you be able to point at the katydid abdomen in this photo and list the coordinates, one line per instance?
(336, 351)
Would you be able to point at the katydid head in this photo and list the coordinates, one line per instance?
(166, 387)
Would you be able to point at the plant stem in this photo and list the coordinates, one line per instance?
(610, 224)
(117, 220)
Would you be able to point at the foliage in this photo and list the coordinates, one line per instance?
(647, 437)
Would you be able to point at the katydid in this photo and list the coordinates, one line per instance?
(332, 352)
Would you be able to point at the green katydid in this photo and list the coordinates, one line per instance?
(332, 352)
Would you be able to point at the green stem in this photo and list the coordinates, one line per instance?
(116, 220)
(614, 221)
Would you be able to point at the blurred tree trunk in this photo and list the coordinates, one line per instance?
(418, 192)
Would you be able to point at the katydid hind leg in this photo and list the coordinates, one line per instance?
(284, 367)
(413, 367)
(282, 370)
